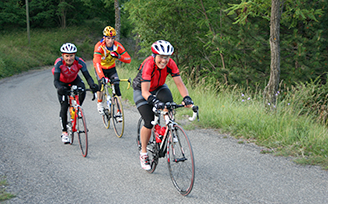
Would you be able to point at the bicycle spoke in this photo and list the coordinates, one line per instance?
(82, 132)
(117, 116)
(106, 117)
(181, 161)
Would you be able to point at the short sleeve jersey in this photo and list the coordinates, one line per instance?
(157, 77)
(68, 73)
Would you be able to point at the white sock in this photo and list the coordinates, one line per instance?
(143, 154)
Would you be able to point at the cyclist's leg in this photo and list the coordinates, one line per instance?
(163, 93)
(145, 111)
(147, 115)
(63, 111)
(63, 100)
(81, 84)
(100, 107)
(113, 75)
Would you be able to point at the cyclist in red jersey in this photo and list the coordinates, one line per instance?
(106, 52)
(65, 73)
(151, 91)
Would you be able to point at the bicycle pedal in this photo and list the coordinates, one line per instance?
(180, 159)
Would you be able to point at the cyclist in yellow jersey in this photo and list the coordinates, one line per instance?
(106, 52)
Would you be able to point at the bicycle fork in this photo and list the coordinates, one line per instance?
(178, 156)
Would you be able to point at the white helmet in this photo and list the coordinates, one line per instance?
(68, 48)
(162, 47)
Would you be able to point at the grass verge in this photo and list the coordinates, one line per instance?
(3, 194)
(282, 131)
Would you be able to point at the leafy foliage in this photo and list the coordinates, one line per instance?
(209, 45)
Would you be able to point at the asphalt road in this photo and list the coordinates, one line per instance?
(41, 169)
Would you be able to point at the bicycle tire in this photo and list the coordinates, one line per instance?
(152, 147)
(117, 126)
(181, 162)
(106, 117)
(82, 131)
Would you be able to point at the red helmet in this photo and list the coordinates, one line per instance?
(162, 47)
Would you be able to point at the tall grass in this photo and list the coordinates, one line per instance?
(283, 130)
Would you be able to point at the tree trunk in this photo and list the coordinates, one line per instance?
(274, 80)
(28, 22)
(117, 19)
(63, 13)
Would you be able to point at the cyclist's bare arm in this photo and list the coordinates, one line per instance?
(145, 87)
(181, 88)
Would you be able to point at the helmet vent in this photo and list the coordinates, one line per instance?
(162, 47)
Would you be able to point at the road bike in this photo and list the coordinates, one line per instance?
(76, 119)
(113, 107)
(171, 141)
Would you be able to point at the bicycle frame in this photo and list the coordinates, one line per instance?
(113, 108)
(74, 102)
(77, 124)
(169, 117)
(105, 89)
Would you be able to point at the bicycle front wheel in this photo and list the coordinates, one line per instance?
(106, 116)
(152, 147)
(82, 131)
(117, 115)
(181, 160)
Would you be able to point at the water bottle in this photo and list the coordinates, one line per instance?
(108, 101)
(157, 133)
(72, 112)
(162, 131)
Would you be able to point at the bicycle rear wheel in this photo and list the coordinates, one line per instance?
(106, 116)
(82, 131)
(181, 161)
(117, 116)
(152, 147)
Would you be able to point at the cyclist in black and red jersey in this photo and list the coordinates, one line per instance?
(151, 91)
(65, 73)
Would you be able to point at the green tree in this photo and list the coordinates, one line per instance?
(210, 46)
(12, 14)
(43, 13)
(255, 8)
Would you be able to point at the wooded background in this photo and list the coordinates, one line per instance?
(222, 42)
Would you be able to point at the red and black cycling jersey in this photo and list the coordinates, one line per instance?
(149, 72)
(68, 73)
